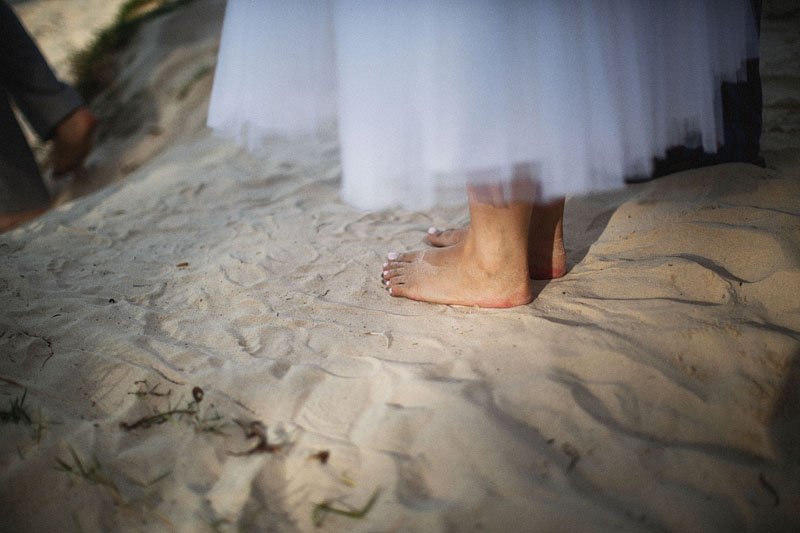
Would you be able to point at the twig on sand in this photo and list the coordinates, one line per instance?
(321, 510)
(12, 382)
(145, 389)
(148, 484)
(321, 456)
(258, 430)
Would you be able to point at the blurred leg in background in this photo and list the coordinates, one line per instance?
(52, 109)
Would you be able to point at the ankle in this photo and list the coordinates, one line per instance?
(497, 256)
(76, 126)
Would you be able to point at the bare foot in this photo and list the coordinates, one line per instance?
(546, 254)
(73, 140)
(452, 275)
(547, 257)
(549, 262)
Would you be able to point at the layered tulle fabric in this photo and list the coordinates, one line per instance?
(534, 99)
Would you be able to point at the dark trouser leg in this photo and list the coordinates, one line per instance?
(741, 104)
(21, 186)
(741, 117)
(26, 76)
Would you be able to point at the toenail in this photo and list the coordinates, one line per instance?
(432, 231)
(392, 256)
(390, 290)
(385, 265)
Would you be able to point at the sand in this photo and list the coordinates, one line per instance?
(656, 387)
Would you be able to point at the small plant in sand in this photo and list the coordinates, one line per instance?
(16, 413)
(91, 472)
(94, 67)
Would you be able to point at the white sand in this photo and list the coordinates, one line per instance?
(656, 387)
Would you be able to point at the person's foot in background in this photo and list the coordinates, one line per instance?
(73, 140)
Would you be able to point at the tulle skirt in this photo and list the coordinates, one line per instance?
(528, 99)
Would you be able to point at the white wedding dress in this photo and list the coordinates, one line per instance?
(431, 95)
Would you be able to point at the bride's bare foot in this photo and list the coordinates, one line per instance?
(546, 254)
(547, 257)
(73, 140)
(488, 267)
(454, 275)
(549, 262)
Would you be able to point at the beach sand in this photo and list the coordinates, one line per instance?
(656, 387)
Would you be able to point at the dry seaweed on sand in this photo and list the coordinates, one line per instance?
(159, 417)
(321, 456)
(207, 423)
(321, 510)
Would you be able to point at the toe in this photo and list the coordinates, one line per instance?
(396, 280)
(389, 273)
(397, 288)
